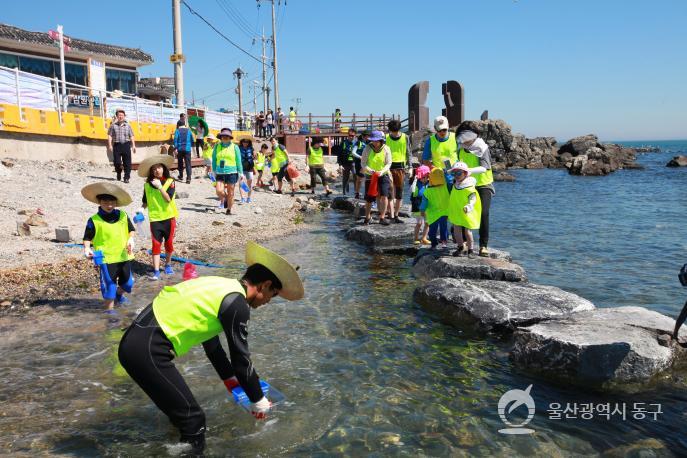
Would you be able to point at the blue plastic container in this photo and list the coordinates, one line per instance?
(98, 258)
(271, 393)
(244, 186)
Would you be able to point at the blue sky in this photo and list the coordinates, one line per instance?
(550, 68)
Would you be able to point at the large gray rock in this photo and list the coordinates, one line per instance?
(486, 305)
(586, 156)
(375, 235)
(601, 348)
(677, 161)
(436, 266)
(345, 203)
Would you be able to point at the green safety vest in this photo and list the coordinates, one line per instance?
(158, 208)
(447, 149)
(292, 116)
(226, 153)
(260, 162)
(187, 312)
(437, 202)
(111, 239)
(316, 156)
(375, 161)
(280, 156)
(459, 199)
(471, 160)
(399, 148)
(207, 152)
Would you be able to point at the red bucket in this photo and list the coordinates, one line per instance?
(292, 171)
(372, 190)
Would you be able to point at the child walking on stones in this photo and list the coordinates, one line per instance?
(110, 233)
(159, 198)
(260, 164)
(417, 191)
(434, 207)
(465, 207)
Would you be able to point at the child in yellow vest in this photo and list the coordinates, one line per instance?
(465, 208)
(109, 241)
(207, 154)
(159, 197)
(434, 207)
(260, 163)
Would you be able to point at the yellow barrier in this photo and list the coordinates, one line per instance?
(42, 122)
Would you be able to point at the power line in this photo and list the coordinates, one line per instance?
(220, 33)
(238, 14)
(231, 15)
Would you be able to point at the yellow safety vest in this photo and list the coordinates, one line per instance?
(207, 151)
(316, 157)
(437, 202)
(459, 199)
(441, 151)
(471, 160)
(111, 238)
(187, 312)
(375, 161)
(399, 148)
(158, 208)
(260, 162)
(226, 153)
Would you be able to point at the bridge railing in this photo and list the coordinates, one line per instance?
(330, 124)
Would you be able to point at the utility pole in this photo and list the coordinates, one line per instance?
(274, 62)
(239, 74)
(178, 56)
(255, 86)
(265, 96)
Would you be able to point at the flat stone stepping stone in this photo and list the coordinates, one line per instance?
(433, 265)
(600, 348)
(486, 305)
(344, 203)
(374, 235)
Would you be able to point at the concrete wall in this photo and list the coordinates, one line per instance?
(53, 148)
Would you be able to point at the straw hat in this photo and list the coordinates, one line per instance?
(147, 163)
(436, 177)
(292, 286)
(210, 137)
(92, 190)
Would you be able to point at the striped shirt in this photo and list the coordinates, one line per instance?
(120, 133)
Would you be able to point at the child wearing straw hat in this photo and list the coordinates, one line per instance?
(158, 197)
(195, 312)
(110, 233)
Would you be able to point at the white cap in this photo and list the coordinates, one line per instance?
(440, 122)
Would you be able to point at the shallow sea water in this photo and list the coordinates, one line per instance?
(365, 370)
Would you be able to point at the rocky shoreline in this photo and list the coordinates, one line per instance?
(553, 333)
(583, 155)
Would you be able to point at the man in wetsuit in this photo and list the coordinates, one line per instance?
(196, 312)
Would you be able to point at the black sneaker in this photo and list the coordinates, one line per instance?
(458, 252)
(327, 193)
(357, 195)
(397, 220)
(188, 181)
(366, 222)
(384, 222)
(126, 180)
(471, 254)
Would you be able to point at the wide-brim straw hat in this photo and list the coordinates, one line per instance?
(436, 177)
(292, 286)
(146, 164)
(91, 191)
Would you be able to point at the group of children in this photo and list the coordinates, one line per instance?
(434, 204)
(109, 236)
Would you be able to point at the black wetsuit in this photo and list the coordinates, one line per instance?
(147, 355)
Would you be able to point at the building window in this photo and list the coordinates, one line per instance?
(41, 67)
(123, 80)
(9, 60)
(74, 73)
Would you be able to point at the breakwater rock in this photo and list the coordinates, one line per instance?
(677, 161)
(583, 155)
(487, 305)
(431, 264)
(376, 235)
(601, 348)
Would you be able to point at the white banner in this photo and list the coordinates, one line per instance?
(217, 120)
(34, 91)
(96, 75)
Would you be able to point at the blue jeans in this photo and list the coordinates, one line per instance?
(442, 225)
